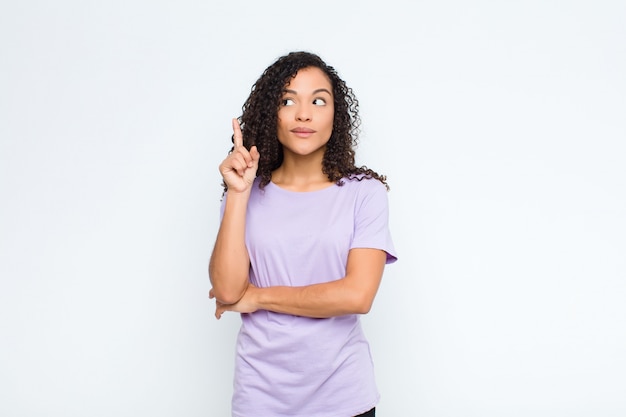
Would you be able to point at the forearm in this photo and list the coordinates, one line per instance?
(229, 266)
(330, 299)
(352, 294)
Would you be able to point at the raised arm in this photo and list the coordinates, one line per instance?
(352, 294)
(230, 264)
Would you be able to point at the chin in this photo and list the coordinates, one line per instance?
(307, 151)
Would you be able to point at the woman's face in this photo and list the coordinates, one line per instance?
(306, 113)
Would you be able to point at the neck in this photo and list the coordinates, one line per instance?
(300, 174)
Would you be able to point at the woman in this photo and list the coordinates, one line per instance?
(301, 247)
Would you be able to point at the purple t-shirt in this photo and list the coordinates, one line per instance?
(297, 366)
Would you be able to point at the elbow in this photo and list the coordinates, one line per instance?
(363, 304)
(357, 299)
(364, 309)
(227, 291)
(227, 296)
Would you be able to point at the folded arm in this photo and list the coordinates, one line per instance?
(352, 294)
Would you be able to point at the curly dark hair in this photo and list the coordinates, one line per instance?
(260, 117)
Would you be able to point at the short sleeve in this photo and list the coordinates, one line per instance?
(371, 225)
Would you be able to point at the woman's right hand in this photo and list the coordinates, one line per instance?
(240, 166)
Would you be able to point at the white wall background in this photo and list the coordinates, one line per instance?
(500, 125)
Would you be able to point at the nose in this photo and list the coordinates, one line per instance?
(303, 114)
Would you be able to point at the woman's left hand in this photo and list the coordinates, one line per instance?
(245, 305)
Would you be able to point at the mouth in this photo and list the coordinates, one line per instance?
(302, 132)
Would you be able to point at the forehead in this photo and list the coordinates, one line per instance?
(309, 78)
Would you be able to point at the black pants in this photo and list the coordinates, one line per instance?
(371, 413)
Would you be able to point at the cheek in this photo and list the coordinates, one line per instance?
(331, 114)
(279, 123)
(282, 117)
(331, 120)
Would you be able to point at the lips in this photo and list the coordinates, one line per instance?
(302, 130)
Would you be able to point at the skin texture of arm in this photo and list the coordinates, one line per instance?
(230, 264)
(352, 294)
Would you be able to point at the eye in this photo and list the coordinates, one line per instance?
(319, 102)
(286, 102)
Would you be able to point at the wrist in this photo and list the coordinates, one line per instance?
(239, 193)
(237, 198)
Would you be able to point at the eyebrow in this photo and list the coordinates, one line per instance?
(319, 90)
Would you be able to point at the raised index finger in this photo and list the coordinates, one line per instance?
(237, 136)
